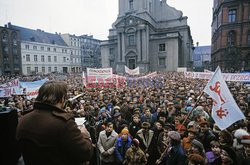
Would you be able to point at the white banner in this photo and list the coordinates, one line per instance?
(244, 77)
(135, 71)
(225, 111)
(103, 75)
(10, 88)
(32, 88)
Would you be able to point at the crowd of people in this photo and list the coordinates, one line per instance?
(136, 126)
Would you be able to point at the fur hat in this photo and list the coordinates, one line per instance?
(117, 107)
(146, 125)
(198, 144)
(239, 133)
(174, 135)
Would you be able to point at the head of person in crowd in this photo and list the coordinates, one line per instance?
(225, 138)
(124, 134)
(147, 112)
(117, 116)
(136, 118)
(196, 159)
(109, 128)
(215, 147)
(168, 127)
(204, 126)
(103, 112)
(135, 144)
(159, 125)
(174, 138)
(191, 133)
(225, 158)
(116, 109)
(197, 147)
(53, 93)
(246, 145)
(162, 116)
(145, 126)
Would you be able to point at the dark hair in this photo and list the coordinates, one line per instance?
(52, 92)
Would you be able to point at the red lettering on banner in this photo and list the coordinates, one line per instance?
(216, 89)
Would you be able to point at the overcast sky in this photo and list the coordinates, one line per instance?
(94, 16)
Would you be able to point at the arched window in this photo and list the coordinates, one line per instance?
(5, 37)
(231, 38)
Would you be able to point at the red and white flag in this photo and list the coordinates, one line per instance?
(225, 111)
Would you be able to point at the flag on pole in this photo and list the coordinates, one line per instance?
(225, 111)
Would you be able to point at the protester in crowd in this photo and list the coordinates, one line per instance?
(106, 144)
(174, 153)
(134, 155)
(123, 143)
(48, 135)
(135, 125)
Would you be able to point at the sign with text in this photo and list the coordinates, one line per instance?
(243, 77)
(10, 88)
(135, 71)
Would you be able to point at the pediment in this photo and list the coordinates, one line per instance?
(130, 21)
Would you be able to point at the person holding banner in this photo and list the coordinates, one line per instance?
(49, 135)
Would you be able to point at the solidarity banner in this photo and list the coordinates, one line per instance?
(103, 75)
(243, 77)
(10, 88)
(225, 111)
(135, 71)
(32, 88)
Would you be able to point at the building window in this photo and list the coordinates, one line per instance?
(43, 69)
(14, 38)
(27, 57)
(5, 49)
(55, 59)
(162, 61)
(231, 38)
(131, 40)
(35, 47)
(55, 69)
(162, 47)
(36, 69)
(15, 51)
(54, 49)
(42, 48)
(49, 58)
(27, 47)
(48, 48)
(35, 57)
(131, 4)
(49, 69)
(5, 37)
(64, 59)
(28, 70)
(232, 15)
(42, 58)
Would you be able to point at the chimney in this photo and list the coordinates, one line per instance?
(197, 44)
(9, 24)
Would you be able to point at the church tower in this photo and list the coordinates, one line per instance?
(147, 34)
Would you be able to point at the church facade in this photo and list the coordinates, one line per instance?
(148, 34)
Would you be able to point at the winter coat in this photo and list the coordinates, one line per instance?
(107, 144)
(48, 135)
(121, 148)
(135, 156)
